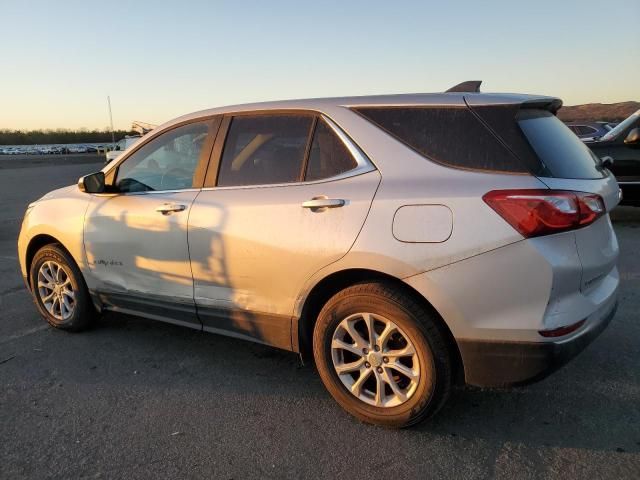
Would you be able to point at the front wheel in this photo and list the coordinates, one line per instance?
(59, 290)
(382, 356)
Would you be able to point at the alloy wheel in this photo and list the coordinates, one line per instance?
(55, 290)
(375, 360)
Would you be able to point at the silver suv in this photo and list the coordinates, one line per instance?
(404, 242)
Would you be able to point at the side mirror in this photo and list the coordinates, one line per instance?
(92, 183)
(633, 138)
(606, 162)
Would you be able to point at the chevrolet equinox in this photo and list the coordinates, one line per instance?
(404, 242)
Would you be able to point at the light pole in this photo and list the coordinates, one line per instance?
(113, 138)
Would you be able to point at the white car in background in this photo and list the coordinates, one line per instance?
(121, 146)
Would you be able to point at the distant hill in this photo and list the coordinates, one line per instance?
(610, 112)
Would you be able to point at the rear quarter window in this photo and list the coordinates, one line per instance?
(563, 154)
(452, 136)
(496, 138)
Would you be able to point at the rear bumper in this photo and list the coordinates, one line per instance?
(503, 363)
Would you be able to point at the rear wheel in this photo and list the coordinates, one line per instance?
(59, 290)
(382, 356)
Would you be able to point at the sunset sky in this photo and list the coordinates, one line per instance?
(158, 60)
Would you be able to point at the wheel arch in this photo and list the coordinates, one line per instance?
(337, 281)
(35, 244)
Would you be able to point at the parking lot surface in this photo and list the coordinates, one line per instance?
(132, 398)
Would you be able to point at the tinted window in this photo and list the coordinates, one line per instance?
(329, 156)
(562, 153)
(501, 119)
(264, 149)
(583, 130)
(168, 162)
(449, 135)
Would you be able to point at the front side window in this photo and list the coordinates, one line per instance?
(329, 156)
(265, 149)
(168, 162)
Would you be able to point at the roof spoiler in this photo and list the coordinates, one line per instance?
(470, 86)
(549, 103)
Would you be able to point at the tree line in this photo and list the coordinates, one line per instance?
(41, 137)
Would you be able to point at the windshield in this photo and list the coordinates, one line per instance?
(561, 152)
(621, 127)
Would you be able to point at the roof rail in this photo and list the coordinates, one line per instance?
(470, 86)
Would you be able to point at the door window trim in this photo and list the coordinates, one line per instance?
(363, 164)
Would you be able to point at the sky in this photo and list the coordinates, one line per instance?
(59, 60)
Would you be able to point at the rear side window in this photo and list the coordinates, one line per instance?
(563, 154)
(449, 135)
(329, 156)
(265, 149)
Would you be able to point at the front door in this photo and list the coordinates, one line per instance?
(290, 198)
(136, 237)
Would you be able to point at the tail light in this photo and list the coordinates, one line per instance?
(534, 213)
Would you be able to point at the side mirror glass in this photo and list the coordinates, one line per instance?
(633, 138)
(92, 183)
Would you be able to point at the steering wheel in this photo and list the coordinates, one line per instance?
(178, 173)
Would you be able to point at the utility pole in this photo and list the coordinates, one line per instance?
(113, 138)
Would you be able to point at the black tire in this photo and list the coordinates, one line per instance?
(83, 310)
(422, 329)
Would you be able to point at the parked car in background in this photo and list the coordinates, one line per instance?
(404, 242)
(589, 131)
(77, 149)
(622, 146)
(121, 146)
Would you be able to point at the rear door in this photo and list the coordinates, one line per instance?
(289, 197)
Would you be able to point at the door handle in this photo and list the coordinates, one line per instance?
(168, 208)
(322, 202)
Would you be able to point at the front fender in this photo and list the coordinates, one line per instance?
(59, 215)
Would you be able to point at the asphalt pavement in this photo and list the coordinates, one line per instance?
(133, 398)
